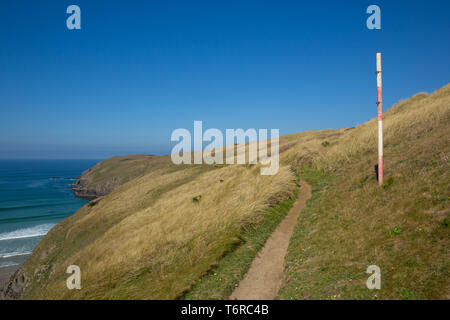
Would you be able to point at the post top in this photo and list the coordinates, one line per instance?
(379, 66)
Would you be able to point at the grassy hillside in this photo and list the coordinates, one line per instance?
(166, 232)
(111, 173)
(351, 222)
(153, 236)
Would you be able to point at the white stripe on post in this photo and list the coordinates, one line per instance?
(380, 121)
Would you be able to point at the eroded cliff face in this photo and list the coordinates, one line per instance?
(80, 186)
(109, 174)
(15, 286)
(85, 187)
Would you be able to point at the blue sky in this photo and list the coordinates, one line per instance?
(137, 70)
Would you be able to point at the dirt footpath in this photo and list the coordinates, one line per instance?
(266, 273)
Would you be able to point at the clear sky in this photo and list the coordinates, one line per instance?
(137, 70)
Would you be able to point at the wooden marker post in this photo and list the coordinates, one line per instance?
(380, 121)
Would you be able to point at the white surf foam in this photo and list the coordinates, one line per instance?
(14, 254)
(31, 232)
(8, 264)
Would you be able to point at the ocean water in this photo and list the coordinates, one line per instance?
(34, 196)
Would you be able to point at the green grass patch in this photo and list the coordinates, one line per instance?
(221, 280)
(350, 223)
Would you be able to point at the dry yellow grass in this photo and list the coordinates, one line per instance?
(418, 113)
(411, 117)
(154, 236)
(352, 223)
(155, 247)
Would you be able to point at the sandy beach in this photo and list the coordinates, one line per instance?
(6, 273)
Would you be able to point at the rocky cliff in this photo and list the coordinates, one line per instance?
(111, 173)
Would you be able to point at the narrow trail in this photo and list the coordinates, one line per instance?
(266, 273)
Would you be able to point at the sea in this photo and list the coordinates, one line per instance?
(34, 196)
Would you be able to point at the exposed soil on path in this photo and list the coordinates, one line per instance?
(266, 273)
